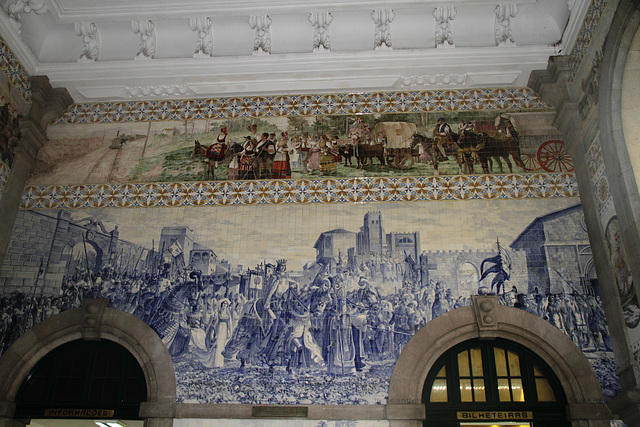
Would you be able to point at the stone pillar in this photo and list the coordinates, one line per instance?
(621, 156)
(7, 409)
(48, 104)
(586, 118)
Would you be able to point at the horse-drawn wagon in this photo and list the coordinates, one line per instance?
(396, 138)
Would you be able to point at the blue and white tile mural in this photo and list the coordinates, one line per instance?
(307, 303)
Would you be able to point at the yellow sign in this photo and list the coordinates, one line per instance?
(495, 415)
(79, 413)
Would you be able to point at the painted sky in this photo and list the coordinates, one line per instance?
(249, 235)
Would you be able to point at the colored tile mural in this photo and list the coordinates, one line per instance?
(9, 137)
(302, 147)
(304, 303)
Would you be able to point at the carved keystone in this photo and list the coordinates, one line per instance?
(484, 307)
(92, 310)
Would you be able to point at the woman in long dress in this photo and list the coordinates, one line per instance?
(247, 159)
(281, 161)
(314, 157)
(224, 329)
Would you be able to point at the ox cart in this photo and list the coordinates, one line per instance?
(396, 138)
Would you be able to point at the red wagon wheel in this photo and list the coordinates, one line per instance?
(530, 161)
(553, 157)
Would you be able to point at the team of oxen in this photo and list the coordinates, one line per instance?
(399, 144)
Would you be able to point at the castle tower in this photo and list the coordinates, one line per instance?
(371, 237)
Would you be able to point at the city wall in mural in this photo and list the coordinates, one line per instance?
(390, 144)
(304, 303)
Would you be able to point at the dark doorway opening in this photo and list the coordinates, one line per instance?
(80, 377)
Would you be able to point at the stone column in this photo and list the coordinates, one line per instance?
(48, 104)
(621, 155)
(7, 410)
(585, 117)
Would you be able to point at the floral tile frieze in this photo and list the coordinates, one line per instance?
(305, 105)
(349, 190)
(589, 25)
(15, 72)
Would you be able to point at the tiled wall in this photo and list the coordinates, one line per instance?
(143, 260)
(200, 261)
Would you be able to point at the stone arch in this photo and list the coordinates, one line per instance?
(459, 280)
(618, 96)
(487, 319)
(67, 249)
(94, 320)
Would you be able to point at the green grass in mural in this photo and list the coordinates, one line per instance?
(179, 166)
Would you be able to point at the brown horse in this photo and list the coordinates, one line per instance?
(430, 145)
(499, 148)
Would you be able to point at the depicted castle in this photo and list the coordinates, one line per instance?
(340, 246)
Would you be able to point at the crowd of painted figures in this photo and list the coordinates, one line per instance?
(334, 322)
(269, 156)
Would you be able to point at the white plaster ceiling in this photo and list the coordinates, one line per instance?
(96, 48)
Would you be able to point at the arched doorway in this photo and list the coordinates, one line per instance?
(98, 379)
(94, 321)
(496, 381)
(486, 320)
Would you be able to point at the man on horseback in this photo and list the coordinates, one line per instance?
(444, 134)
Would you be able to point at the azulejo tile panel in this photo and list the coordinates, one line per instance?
(589, 25)
(305, 105)
(15, 72)
(351, 190)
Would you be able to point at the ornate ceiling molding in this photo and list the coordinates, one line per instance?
(271, 47)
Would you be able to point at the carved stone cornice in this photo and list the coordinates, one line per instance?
(89, 33)
(551, 83)
(92, 312)
(49, 103)
(503, 33)
(484, 308)
(204, 45)
(382, 18)
(146, 29)
(321, 22)
(443, 17)
(262, 41)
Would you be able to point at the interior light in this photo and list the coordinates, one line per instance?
(109, 423)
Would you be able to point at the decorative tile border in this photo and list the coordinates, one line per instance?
(598, 175)
(15, 72)
(589, 25)
(305, 105)
(345, 190)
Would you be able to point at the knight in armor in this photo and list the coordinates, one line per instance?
(172, 321)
